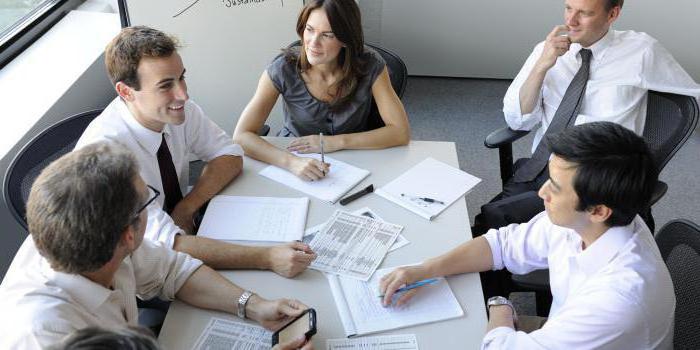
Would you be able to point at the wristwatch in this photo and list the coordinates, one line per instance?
(499, 300)
(242, 300)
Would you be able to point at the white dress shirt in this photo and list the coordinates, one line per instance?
(624, 66)
(40, 306)
(198, 136)
(615, 294)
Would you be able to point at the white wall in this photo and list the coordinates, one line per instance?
(491, 39)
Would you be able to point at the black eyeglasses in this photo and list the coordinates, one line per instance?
(156, 193)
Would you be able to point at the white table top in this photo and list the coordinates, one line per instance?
(184, 324)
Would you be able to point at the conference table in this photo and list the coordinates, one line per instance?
(184, 323)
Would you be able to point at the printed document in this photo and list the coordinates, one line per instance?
(400, 240)
(428, 188)
(341, 178)
(361, 311)
(352, 245)
(267, 219)
(385, 342)
(222, 333)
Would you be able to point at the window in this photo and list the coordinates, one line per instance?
(23, 21)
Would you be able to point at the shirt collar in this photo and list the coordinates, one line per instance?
(604, 249)
(148, 139)
(598, 48)
(84, 291)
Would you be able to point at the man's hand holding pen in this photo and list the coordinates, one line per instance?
(392, 283)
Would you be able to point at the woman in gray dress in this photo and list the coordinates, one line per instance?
(327, 86)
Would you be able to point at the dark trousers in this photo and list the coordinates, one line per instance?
(517, 203)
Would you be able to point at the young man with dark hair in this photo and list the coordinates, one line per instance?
(610, 285)
(155, 119)
(86, 259)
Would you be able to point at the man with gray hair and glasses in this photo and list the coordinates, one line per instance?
(85, 260)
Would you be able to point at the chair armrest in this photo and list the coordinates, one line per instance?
(503, 136)
(659, 191)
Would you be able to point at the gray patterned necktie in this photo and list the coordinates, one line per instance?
(563, 118)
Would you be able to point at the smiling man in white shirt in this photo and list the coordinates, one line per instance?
(623, 66)
(610, 285)
(155, 119)
(86, 258)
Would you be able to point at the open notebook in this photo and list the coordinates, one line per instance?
(361, 311)
(341, 179)
(428, 188)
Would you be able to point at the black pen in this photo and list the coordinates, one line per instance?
(356, 195)
(424, 199)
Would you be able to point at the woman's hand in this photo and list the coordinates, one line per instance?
(312, 144)
(308, 169)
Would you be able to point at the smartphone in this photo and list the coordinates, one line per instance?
(304, 324)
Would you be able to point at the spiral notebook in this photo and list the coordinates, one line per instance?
(429, 187)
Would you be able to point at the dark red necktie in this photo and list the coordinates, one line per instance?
(168, 175)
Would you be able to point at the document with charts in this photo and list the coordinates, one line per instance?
(341, 178)
(352, 245)
(400, 242)
(361, 311)
(428, 188)
(222, 333)
(262, 219)
(384, 342)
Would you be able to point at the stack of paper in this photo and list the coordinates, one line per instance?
(352, 245)
(385, 342)
(341, 178)
(428, 188)
(361, 311)
(222, 333)
(267, 219)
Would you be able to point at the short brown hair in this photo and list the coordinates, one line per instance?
(610, 4)
(80, 205)
(125, 51)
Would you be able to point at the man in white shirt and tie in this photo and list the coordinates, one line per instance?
(622, 67)
(610, 286)
(155, 119)
(86, 258)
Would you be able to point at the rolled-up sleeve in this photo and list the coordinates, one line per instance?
(205, 139)
(511, 102)
(160, 226)
(161, 271)
(520, 248)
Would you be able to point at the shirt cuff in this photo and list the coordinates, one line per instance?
(495, 245)
(228, 150)
(491, 336)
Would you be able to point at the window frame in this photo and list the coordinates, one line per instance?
(31, 27)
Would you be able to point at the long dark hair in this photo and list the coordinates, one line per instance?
(346, 22)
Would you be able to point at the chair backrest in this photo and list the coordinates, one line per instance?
(398, 74)
(55, 141)
(679, 243)
(670, 121)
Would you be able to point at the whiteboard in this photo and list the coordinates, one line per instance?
(227, 44)
(492, 39)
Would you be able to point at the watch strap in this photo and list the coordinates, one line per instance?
(242, 301)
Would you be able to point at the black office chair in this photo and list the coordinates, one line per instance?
(398, 74)
(55, 141)
(670, 121)
(679, 243)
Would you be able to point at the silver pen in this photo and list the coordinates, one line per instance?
(320, 135)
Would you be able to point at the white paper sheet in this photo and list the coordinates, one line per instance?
(401, 240)
(429, 179)
(341, 178)
(352, 245)
(221, 333)
(268, 219)
(386, 342)
(360, 308)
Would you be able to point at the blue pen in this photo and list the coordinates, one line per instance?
(415, 285)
